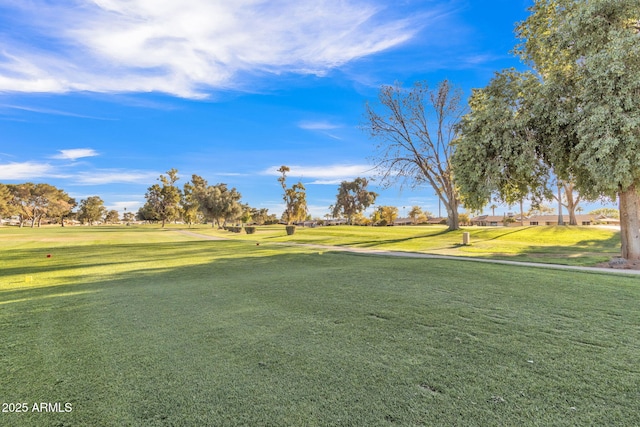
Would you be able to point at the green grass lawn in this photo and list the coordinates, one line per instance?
(582, 246)
(141, 326)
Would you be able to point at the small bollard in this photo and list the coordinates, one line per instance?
(465, 238)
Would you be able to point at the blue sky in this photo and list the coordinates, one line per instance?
(100, 97)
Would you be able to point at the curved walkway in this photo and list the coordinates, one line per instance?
(380, 252)
(462, 258)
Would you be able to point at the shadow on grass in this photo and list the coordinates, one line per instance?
(588, 252)
(374, 243)
(498, 236)
(33, 268)
(342, 340)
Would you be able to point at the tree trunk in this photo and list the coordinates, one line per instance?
(560, 217)
(572, 203)
(452, 215)
(521, 213)
(572, 216)
(630, 223)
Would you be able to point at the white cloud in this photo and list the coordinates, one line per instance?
(52, 111)
(24, 171)
(75, 153)
(329, 174)
(113, 176)
(185, 48)
(318, 125)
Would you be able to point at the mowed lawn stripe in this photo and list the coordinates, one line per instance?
(567, 245)
(176, 332)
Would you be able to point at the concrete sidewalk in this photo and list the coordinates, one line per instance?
(379, 252)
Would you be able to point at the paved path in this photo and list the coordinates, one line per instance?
(379, 252)
(367, 251)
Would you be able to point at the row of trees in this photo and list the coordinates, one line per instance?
(570, 124)
(196, 202)
(34, 203)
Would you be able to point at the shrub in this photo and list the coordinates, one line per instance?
(290, 229)
(250, 229)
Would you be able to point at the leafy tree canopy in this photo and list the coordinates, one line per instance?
(353, 198)
(578, 116)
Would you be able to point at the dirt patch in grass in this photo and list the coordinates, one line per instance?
(620, 264)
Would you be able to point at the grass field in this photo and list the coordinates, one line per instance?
(141, 326)
(582, 246)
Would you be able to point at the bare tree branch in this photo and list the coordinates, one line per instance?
(415, 130)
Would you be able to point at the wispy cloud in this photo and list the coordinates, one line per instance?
(320, 126)
(26, 171)
(317, 125)
(51, 111)
(324, 175)
(75, 153)
(186, 48)
(115, 176)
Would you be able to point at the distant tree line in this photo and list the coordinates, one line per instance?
(35, 204)
(197, 202)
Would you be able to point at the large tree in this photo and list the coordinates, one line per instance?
(6, 208)
(91, 210)
(581, 108)
(353, 197)
(295, 198)
(261, 216)
(190, 206)
(417, 215)
(165, 199)
(112, 217)
(497, 155)
(21, 201)
(384, 215)
(61, 206)
(147, 213)
(415, 129)
(218, 203)
(587, 54)
(36, 202)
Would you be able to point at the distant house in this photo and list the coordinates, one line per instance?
(514, 221)
(335, 221)
(436, 220)
(553, 220)
(488, 220)
(402, 221)
(310, 223)
(601, 219)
